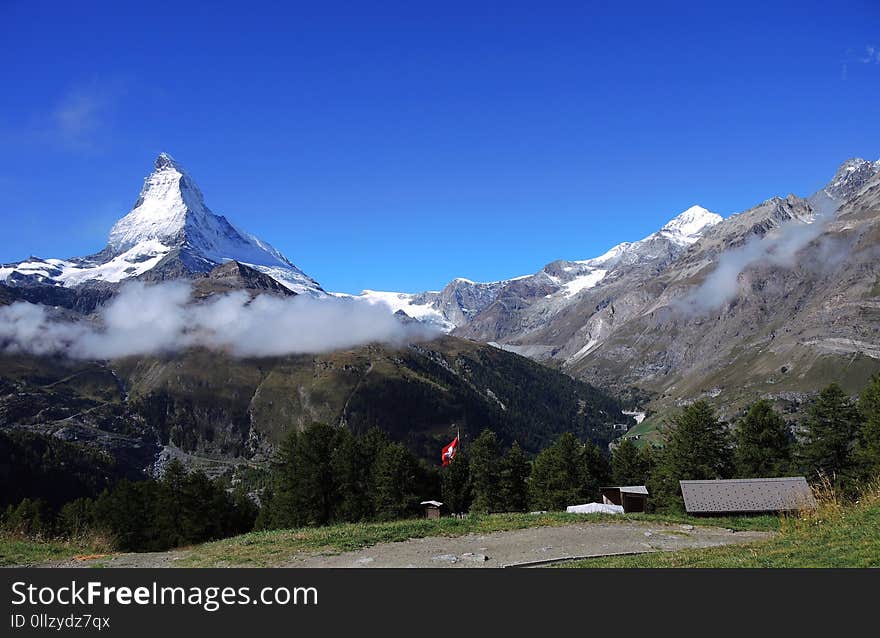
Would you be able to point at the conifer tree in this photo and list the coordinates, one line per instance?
(77, 518)
(305, 490)
(696, 447)
(515, 471)
(629, 465)
(558, 473)
(205, 506)
(280, 504)
(31, 517)
(241, 517)
(395, 479)
(595, 471)
(456, 484)
(830, 432)
(351, 473)
(127, 513)
(170, 504)
(485, 469)
(763, 443)
(868, 451)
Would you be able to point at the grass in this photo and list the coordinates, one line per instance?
(276, 547)
(833, 536)
(21, 551)
(648, 430)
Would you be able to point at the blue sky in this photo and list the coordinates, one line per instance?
(396, 146)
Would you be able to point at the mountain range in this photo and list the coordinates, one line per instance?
(774, 301)
(218, 411)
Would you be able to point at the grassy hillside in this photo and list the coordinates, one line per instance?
(18, 551)
(732, 393)
(204, 401)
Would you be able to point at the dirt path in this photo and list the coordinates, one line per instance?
(498, 549)
(502, 549)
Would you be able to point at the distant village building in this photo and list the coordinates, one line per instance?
(632, 498)
(432, 508)
(747, 496)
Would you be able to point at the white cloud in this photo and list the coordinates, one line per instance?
(779, 247)
(871, 55)
(78, 117)
(144, 320)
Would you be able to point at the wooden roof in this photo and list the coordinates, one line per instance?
(747, 495)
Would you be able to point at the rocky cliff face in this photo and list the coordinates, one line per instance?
(777, 301)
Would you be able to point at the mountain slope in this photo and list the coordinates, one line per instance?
(214, 410)
(169, 233)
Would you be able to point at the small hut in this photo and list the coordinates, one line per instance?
(432, 508)
(632, 498)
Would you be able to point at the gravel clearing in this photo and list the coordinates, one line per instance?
(502, 549)
(498, 549)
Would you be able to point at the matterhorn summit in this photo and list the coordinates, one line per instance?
(168, 203)
(169, 233)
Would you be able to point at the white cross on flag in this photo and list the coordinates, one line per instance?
(449, 452)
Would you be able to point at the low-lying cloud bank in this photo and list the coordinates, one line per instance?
(779, 247)
(156, 319)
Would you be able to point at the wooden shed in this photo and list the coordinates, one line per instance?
(432, 508)
(632, 498)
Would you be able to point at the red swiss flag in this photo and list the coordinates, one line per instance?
(449, 452)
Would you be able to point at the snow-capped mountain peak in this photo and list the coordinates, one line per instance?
(852, 175)
(164, 160)
(168, 223)
(687, 227)
(168, 198)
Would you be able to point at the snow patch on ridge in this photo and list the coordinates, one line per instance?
(584, 282)
(580, 354)
(408, 304)
(131, 263)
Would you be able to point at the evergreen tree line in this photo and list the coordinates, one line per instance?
(839, 441)
(482, 479)
(36, 466)
(326, 474)
(153, 515)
